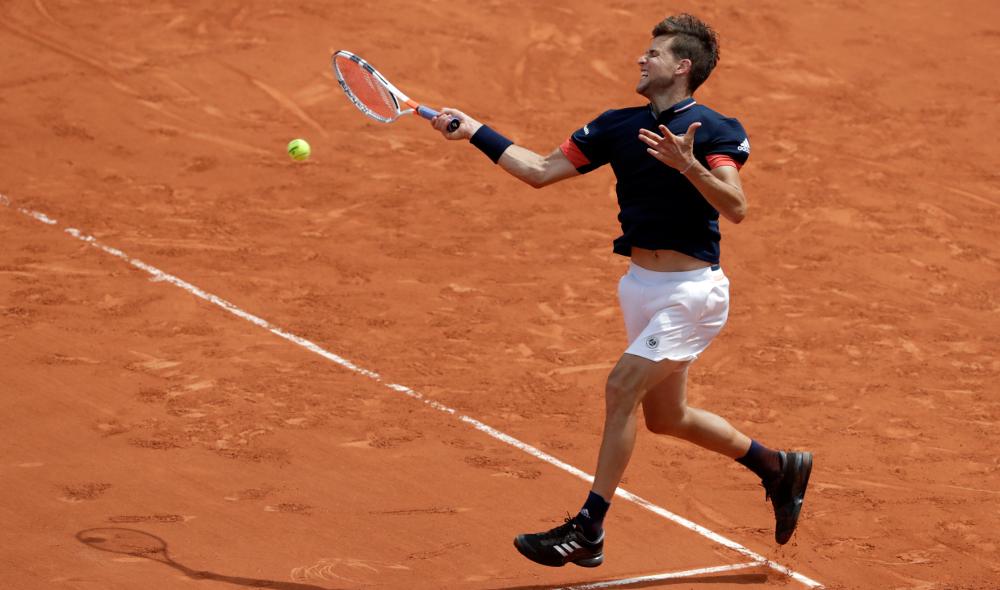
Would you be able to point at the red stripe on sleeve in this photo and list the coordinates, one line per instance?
(719, 160)
(576, 157)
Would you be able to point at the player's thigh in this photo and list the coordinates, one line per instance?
(664, 405)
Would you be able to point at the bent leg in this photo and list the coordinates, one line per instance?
(666, 412)
(628, 384)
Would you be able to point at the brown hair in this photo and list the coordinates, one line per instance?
(693, 40)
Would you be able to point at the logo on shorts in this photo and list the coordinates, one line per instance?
(652, 342)
(586, 130)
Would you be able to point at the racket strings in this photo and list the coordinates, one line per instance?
(366, 90)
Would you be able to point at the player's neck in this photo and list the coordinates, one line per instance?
(668, 98)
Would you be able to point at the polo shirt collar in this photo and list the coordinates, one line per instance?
(680, 107)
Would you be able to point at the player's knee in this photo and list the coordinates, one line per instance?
(620, 394)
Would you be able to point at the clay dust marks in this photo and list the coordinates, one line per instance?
(83, 492)
(350, 570)
(147, 518)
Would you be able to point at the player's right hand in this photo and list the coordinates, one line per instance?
(466, 129)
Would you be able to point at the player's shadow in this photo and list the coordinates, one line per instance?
(141, 544)
(705, 579)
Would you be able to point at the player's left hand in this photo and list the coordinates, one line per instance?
(676, 151)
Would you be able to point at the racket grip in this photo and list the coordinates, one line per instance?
(429, 113)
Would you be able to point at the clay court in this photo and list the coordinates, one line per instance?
(374, 368)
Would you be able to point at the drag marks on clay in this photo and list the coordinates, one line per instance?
(416, 511)
(42, 10)
(275, 456)
(83, 492)
(503, 467)
(157, 518)
(165, 441)
(291, 508)
(282, 100)
(251, 494)
(350, 570)
(172, 131)
(110, 427)
(435, 553)
(74, 54)
(214, 414)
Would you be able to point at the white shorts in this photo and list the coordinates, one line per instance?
(673, 315)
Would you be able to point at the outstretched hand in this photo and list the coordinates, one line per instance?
(466, 129)
(676, 151)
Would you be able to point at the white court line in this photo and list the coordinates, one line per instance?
(666, 576)
(159, 275)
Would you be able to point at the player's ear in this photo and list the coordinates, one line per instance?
(683, 67)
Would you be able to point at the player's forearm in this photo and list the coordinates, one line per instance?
(524, 165)
(521, 163)
(727, 199)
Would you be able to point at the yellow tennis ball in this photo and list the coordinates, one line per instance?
(299, 150)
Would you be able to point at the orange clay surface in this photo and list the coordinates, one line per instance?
(864, 325)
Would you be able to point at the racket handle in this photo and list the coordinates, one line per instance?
(429, 113)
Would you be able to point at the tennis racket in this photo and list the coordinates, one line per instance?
(373, 94)
(127, 542)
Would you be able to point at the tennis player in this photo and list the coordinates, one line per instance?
(677, 163)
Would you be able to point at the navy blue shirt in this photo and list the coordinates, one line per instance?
(659, 208)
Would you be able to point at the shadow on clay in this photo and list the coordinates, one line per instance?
(141, 544)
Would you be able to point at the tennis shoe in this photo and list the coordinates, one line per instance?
(561, 545)
(786, 492)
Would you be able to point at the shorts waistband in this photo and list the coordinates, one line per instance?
(645, 275)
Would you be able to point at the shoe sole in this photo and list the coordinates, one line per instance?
(590, 562)
(587, 562)
(803, 472)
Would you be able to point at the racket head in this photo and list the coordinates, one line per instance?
(125, 542)
(366, 88)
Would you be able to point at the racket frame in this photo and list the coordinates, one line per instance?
(397, 95)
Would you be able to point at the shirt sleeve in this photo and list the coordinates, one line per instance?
(587, 148)
(729, 145)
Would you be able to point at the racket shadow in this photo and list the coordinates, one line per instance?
(138, 543)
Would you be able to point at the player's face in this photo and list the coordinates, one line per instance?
(657, 67)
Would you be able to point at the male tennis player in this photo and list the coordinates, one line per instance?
(677, 163)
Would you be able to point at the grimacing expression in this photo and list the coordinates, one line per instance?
(658, 67)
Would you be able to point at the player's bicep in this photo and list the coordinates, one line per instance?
(729, 175)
